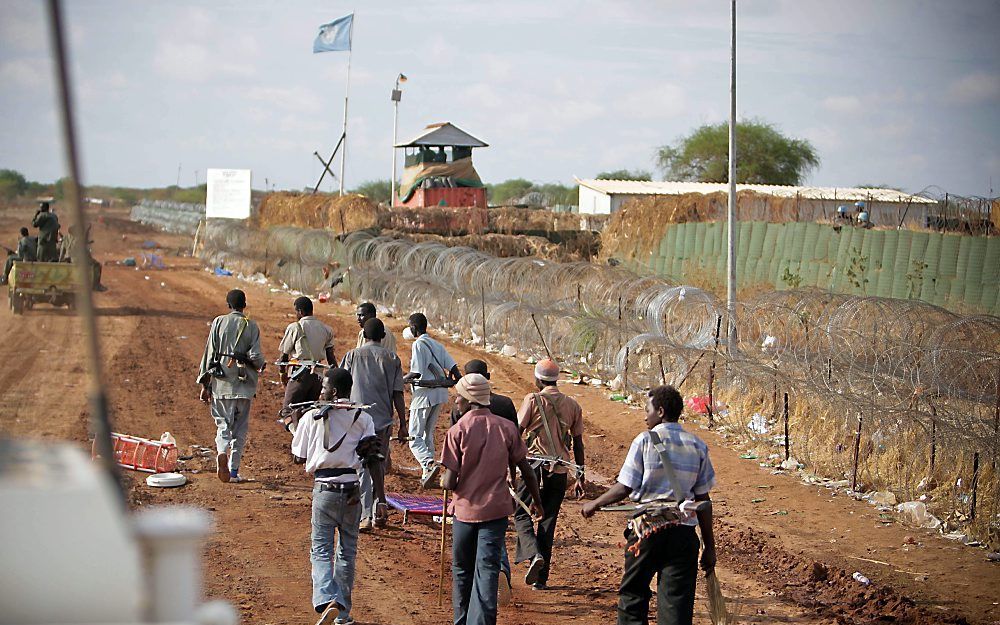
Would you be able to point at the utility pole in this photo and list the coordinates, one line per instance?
(731, 212)
(396, 96)
(178, 175)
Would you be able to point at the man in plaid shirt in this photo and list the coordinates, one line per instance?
(670, 552)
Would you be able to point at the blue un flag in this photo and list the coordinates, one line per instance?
(335, 36)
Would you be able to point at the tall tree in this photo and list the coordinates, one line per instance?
(12, 184)
(763, 155)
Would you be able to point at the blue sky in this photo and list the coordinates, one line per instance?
(905, 93)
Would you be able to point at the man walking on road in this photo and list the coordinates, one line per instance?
(378, 382)
(432, 372)
(334, 443)
(306, 340)
(551, 423)
(228, 378)
(477, 454)
(365, 312)
(500, 405)
(664, 463)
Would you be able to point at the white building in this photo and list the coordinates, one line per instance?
(603, 197)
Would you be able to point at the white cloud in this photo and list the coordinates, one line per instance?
(824, 138)
(847, 104)
(190, 49)
(660, 101)
(194, 62)
(899, 128)
(291, 99)
(28, 73)
(975, 88)
(22, 27)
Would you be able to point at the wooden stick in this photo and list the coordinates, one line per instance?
(444, 524)
(197, 231)
(684, 379)
(663, 374)
(542, 338)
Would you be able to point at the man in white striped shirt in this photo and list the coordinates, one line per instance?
(671, 551)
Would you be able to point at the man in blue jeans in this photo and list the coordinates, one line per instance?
(477, 454)
(333, 442)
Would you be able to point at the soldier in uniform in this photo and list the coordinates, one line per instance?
(27, 248)
(228, 376)
(48, 234)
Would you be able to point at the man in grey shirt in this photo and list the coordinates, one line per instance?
(228, 378)
(378, 382)
(307, 339)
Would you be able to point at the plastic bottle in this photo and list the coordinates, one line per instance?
(861, 579)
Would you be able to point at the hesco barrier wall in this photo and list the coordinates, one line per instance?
(954, 271)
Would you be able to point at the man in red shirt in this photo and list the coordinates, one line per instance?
(478, 452)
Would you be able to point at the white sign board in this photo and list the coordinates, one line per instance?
(228, 194)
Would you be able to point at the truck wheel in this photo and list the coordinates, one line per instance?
(70, 301)
(16, 303)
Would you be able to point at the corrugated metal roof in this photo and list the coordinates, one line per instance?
(848, 194)
(443, 134)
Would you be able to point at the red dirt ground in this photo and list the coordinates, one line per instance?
(793, 568)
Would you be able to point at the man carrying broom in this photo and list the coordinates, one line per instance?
(478, 452)
(667, 472)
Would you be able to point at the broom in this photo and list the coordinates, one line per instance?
(717, 613)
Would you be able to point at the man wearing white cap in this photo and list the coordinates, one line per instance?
(477, 453)
(551, 423)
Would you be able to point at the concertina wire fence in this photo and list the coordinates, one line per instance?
(176, 217)
(906, 369)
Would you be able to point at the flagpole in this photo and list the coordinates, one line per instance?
(347, 95)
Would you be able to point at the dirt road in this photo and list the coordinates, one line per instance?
(787, 557)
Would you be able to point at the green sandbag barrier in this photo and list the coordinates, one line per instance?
(948, 264)
(944, 269)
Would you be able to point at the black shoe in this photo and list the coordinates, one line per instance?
(539, 586)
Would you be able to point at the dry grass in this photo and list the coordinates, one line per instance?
(510, 220)
(894, 454)
(581, 247)
(319, 211)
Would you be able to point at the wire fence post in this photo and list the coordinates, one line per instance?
(857, 453)
(933, 437)
(482, 302)
(625, 374)
(975, 485)
(787, 446)
(711, 374)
